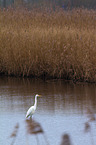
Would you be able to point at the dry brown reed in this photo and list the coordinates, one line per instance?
(57, 44)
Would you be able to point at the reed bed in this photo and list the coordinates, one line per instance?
(51, 44)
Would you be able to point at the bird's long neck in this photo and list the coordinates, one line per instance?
(35, 104)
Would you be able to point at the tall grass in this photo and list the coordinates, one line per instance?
(57, 44)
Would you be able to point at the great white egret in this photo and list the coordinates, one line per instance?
(32, 109)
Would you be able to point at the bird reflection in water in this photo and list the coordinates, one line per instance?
(66, 140)
(35, 128)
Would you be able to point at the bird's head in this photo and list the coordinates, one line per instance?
(38, 95)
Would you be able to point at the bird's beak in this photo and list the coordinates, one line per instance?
(39, 95)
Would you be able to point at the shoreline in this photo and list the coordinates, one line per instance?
(48, 79)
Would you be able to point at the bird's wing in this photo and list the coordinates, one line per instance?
(30, 111)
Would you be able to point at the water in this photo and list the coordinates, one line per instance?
(63, 113)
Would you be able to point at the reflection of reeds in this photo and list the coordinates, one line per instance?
(91, 118)
(35, 128)
(14, 133)
(66, 140)
(89, 129)
(90, 115)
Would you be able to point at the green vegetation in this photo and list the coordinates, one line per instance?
(59, 44)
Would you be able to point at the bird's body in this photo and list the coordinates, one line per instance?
(32, 109)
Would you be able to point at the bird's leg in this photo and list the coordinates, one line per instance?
(30, 117)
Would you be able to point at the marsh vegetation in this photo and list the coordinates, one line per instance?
(52, 44)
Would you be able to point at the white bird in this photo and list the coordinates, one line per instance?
(32, 109)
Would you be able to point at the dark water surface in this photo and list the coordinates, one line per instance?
(65, 112)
